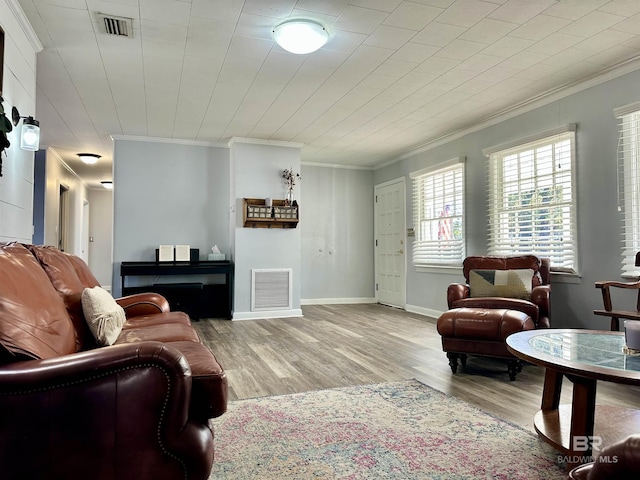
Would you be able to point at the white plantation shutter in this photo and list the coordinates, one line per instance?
(532, 199)
(438, 215)
(629, 186)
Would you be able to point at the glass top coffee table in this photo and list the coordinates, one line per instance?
(580, 429)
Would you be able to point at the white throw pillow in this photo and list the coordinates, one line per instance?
(104, 316)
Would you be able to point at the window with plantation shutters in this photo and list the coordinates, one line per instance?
(629, 185)
(532, 208)
(438, 215)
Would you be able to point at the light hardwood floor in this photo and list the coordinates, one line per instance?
(341, 345)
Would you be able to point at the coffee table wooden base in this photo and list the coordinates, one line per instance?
(612, 424)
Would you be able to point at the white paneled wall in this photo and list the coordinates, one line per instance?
(18, 89)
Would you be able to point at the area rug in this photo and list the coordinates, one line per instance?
(400, 430)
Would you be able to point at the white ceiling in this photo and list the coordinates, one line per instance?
(395, 74)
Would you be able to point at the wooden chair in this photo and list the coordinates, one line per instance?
(609, 311)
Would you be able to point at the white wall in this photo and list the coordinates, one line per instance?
(19, 89)
(337, 251)
(101, 232)
(599, 223)
(258, 174)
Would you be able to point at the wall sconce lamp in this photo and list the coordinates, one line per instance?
(30, 133)
(88, 158)
(108, 184)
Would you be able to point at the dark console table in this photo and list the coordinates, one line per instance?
(197, 299)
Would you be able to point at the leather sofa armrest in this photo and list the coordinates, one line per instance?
(456, 291)
(96, 408)
(141, 304)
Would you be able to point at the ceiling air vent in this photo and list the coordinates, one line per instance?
(118, 26)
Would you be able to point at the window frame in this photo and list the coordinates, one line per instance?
(628, 169)
(498, 199)
(420, 255)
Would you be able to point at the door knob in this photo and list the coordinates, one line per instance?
(400, 251)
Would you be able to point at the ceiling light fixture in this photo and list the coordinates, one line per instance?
(300, 36)
(30, 133)
(108, 184)
(89, 158)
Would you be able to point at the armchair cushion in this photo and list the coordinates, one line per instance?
(104, 316)
(514, 283)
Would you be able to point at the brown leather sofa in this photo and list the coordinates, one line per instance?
(138, 409)
(479, 325)
(619, 461)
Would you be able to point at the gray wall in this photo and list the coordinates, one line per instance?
(258, 174)
(599, 224)
(337, 235)
(168, 193)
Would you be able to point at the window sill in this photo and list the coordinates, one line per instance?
(441, 269)
(564, 277)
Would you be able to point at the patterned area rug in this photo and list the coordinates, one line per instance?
(400, 430)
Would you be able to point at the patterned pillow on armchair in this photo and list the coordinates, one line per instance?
(515, 283)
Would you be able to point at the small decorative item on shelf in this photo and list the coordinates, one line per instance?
(216, 255)
(290, 178)
(632, 335)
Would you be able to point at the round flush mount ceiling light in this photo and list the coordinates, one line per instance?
(300, 36)
(108, 184)
(89, 158)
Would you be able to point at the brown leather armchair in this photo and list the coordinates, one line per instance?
(538, 306)
(479, 325)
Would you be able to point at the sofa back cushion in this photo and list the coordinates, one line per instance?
(69, 275)
(33, 320)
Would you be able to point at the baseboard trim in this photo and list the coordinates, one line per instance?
(295, 312)
(336, 301)
(427, 312)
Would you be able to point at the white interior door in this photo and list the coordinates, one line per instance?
(391, 267)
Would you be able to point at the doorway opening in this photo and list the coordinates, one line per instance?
(63, 217)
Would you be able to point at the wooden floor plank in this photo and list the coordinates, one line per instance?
(340, 345)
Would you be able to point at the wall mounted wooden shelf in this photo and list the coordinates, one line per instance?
(256, 214)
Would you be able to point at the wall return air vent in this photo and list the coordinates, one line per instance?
(271, 289)
(117, 26)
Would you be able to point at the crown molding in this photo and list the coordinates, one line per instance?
(60, 160)
(175, 141)
(26, 27)
(258, 141)
(330, 165)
